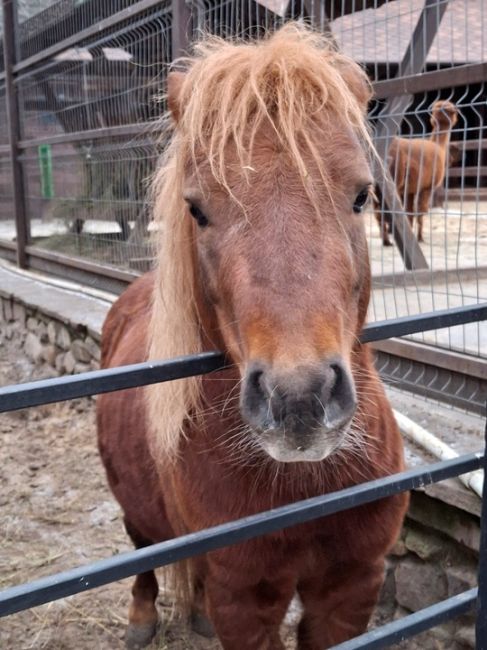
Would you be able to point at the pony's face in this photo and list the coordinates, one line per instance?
(283, 284)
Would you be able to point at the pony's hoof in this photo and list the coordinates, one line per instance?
(139, 636)
(202, 625)
(387, 242)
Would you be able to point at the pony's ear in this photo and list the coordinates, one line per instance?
(175, 82)
(358, 82)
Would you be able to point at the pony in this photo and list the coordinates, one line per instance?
(261, 254)
(418, 167)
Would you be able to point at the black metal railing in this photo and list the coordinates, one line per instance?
(73, 581)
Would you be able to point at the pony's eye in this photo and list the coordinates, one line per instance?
(197, 214)
(361, 200)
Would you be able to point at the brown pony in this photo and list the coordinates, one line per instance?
(262, 254)
(418, 167)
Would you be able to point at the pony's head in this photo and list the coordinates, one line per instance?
(263, 251)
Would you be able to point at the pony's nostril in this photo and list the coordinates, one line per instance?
(255, 380)
(342, 399)
(255, 394)
(337, 380)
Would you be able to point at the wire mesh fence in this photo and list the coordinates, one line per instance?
(89, 76)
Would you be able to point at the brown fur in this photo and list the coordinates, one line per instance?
(281, 274)
(418, 167)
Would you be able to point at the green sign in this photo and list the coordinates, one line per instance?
(45, 166)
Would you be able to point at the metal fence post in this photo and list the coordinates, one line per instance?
(13, 125)
(181, 27)
(481, 625)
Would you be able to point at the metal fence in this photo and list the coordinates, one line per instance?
(83, 81)
(74, 581)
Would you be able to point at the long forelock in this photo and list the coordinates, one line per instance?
(289, 82)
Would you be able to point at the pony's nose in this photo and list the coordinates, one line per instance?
(307, 399)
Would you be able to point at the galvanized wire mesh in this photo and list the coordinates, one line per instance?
(86, 122)
(86, 109)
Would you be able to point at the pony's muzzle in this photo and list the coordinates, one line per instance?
(301, 406)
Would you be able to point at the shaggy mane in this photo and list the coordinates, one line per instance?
(292, 80)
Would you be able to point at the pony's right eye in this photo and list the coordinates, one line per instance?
(200, 218)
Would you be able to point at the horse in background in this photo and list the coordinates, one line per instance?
(418, 167)
(263, 255)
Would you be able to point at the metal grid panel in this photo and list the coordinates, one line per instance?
(6, 191)
(88, 200)
(377, 35)
(108, 82)
(42, 23)
(86, 194)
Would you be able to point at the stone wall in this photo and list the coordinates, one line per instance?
(56, 348)
(435, 558)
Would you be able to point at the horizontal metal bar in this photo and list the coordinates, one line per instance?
(466, 171)
(434, 356)
(95, 382)
(387, 329)
(409, 626)
(47, 391)
(424, 82)
(93, 30)
(81, 264)
(127, 564)
(124, 130)
(475, 143)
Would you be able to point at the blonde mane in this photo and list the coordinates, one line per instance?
(292, 80)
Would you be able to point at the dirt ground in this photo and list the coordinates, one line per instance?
(56, 512)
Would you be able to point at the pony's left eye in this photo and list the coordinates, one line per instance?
(361, 200)
(200, 218)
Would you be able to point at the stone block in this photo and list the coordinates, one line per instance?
(93, 348)
(42, 332)
(49, 354)
(81, 367)
(59, 363)
(33, 347)
(460, 578)
(465, 638)
(19, 313)
(63, 338)
(80, 351)
(69, 362)
(419, 584)
(94, 365)
(425, 544)
(32, 324)
(8, 313)
(52, 331)
(459, 526)
(399, 549)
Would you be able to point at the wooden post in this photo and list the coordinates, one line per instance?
(13, 126)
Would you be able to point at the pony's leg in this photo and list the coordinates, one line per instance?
(248, 617)
(143, 617)
(200, 623)
(338, 604)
